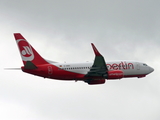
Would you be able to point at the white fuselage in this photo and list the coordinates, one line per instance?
(129, 68)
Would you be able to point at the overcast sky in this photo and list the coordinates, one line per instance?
(62, 30)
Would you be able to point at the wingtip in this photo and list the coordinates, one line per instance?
(95, 50)
(92, 45)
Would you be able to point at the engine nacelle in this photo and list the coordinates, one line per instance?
(115, 74)
(94, 82)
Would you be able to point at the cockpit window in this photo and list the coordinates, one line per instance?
(145, 64)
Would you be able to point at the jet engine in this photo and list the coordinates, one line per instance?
(115, 74)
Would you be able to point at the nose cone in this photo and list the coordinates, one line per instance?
(151, 69)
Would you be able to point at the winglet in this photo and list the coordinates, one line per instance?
(95, 50)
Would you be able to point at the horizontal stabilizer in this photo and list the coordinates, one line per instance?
(12, 68)
(30, 65)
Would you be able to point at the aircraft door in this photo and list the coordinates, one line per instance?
(138, 66)
(50, 71)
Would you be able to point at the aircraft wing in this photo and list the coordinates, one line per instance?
(99, 67)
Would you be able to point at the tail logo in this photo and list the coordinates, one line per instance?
(25, 50)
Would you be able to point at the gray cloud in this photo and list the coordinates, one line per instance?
(62, 31)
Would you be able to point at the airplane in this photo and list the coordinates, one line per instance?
(90, 72)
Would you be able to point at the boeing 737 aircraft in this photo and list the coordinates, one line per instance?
(91, 73)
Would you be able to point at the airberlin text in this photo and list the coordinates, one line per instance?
(120, 66)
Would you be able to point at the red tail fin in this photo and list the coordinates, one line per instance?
(27, 52)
